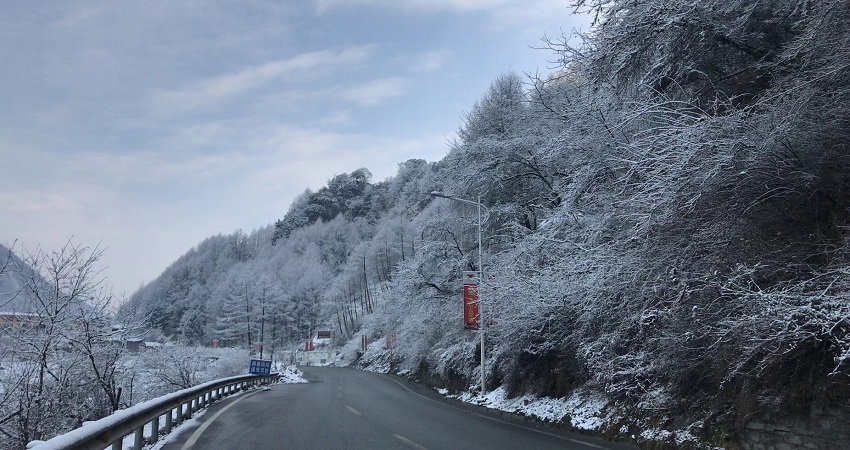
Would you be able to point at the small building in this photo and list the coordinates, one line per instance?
(14, 319)
(151, 345)
(314, 358)
(133, 345)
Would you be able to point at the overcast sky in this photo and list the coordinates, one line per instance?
(148, 126)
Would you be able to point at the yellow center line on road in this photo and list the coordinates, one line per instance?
(409, 442)
(197, 434)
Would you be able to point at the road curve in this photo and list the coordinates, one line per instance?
(345, 408)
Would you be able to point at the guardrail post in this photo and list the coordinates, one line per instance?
(118, 444)
(155, 429)
(169, 421)
(188, 414)
(140, 438)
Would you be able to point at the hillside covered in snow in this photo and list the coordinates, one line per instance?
(664, 223)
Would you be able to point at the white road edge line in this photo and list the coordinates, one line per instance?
(197, 434)
(409, 442)
(576, 441)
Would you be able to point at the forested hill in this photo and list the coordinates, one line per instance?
(666, 222)
(291, 274)
(15, 276)
(11, 286)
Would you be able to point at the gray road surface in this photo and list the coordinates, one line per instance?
(350, 409)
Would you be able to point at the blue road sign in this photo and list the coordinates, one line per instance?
(260, 367)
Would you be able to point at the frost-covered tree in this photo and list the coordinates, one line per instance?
(63, 349)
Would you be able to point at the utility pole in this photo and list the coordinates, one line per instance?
(481, 278)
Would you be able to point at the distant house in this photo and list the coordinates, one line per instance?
(130, 338)
(152, 345)
(133, 345)
(13, 320)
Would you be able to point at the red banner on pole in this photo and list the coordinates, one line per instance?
(470, 300)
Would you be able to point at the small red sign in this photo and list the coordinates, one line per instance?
(470, 300)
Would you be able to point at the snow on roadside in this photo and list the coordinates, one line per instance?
(189, 424)
(291, 374)
(584, 410)
(587, 409)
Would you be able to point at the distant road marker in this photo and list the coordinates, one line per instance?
(409, 442)
(353, 410)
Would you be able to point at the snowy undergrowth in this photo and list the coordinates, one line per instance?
(376, 358)
(582, 410)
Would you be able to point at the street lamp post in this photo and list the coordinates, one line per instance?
(478, 204)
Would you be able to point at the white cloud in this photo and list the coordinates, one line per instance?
(37, 201)
(420, 5)
(430, 61)
(528, 15)
(375, 92)
(212, 91)
(539, 7)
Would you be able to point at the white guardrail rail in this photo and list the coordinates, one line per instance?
(175, 407)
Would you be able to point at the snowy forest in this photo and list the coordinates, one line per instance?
(665, 221)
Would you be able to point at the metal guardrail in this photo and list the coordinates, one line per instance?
(176, 408)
